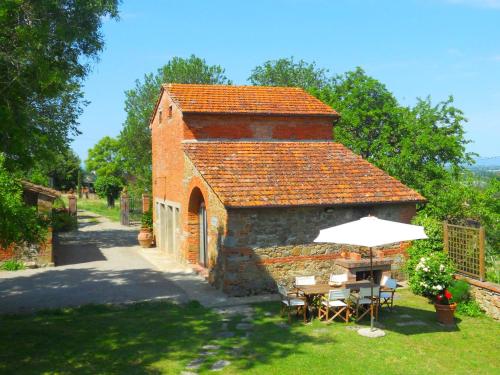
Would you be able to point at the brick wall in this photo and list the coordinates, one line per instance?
(200, 126)
(175, 179)
(216, 217)
(266, 245)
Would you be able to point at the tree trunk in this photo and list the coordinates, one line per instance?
(111, 201)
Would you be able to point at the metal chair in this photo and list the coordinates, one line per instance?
(305, 280)
(338, 302)
(386, 295)
(338, 279)
(363, 301)
(291, 301)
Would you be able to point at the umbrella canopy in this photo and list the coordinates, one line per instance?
(371, 231)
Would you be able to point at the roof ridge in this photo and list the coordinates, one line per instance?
(169, 84)
(246, 99)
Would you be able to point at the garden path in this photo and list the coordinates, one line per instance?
(98, 263)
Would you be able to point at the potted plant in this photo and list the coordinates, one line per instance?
(145, 236)
(432, 277)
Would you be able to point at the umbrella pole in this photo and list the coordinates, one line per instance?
(371, 286)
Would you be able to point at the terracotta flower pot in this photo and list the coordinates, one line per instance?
(145, 237)
(445, 313)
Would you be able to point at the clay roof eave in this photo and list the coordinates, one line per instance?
(327, 115)
(333, 204)
(27, 185)
(229, 169)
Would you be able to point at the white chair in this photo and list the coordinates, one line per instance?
(290, 301)
(338, 302)
(305, 280)
(387, 291)
(338, 279)
(364, 299)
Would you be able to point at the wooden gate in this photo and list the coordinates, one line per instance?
(465, 247)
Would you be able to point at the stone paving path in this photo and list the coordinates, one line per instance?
(243, 330)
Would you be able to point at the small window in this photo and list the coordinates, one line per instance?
(170, 111)
(159, 116)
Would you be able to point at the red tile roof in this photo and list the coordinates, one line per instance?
(193, 98)
(253, 174)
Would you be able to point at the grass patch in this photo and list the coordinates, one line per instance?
(12, 265)
(100, 207)
(162, 338)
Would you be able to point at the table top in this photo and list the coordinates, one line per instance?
(325, 288)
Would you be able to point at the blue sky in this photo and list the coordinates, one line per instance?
(416, 47)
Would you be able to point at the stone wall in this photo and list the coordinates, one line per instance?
(266, 245)
(487, 295)
(35, 255)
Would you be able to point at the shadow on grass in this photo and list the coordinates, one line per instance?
(146, 338)
(55, 287)
(407, 320)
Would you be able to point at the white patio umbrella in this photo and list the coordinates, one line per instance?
(369, 232)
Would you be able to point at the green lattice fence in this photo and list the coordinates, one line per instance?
(465, 247)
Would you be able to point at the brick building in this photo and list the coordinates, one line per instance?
(244, 178)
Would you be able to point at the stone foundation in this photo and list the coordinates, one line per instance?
(265, 246)
(38, 255)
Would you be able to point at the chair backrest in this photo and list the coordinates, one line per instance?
(384, 279)
(336, 294)
(338, 279)
(305, 280)
(366, 292)
(391, 283)
(282, 290)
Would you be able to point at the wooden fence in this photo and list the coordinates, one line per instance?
(465, 247)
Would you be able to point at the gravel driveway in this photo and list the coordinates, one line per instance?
(99, 263)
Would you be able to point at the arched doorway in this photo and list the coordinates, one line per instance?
(203, 253)
(198, 229)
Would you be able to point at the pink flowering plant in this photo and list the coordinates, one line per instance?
(432, 276)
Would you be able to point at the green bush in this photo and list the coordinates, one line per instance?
(147, 219)
(18, 222)
(470, 308)
(422, 248)
(58, 204)
(432, 275)
(460, 291)
(62, 221)
(12, 265)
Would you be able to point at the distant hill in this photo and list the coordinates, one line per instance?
(493, 161)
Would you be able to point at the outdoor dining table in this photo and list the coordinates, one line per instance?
(311, 291)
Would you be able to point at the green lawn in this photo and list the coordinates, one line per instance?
(156, 338)
(99, 206)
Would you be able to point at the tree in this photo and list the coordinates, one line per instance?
(288, 72)
(105, 158)
(109, 187)
(371, 117)
(18, 222)
(419, 145)
(106, 161)
(135, 137)
(63, 170)
(46, 50)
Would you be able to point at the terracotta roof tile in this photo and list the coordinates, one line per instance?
(249, 174)
(246, 99)
(29, 186)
